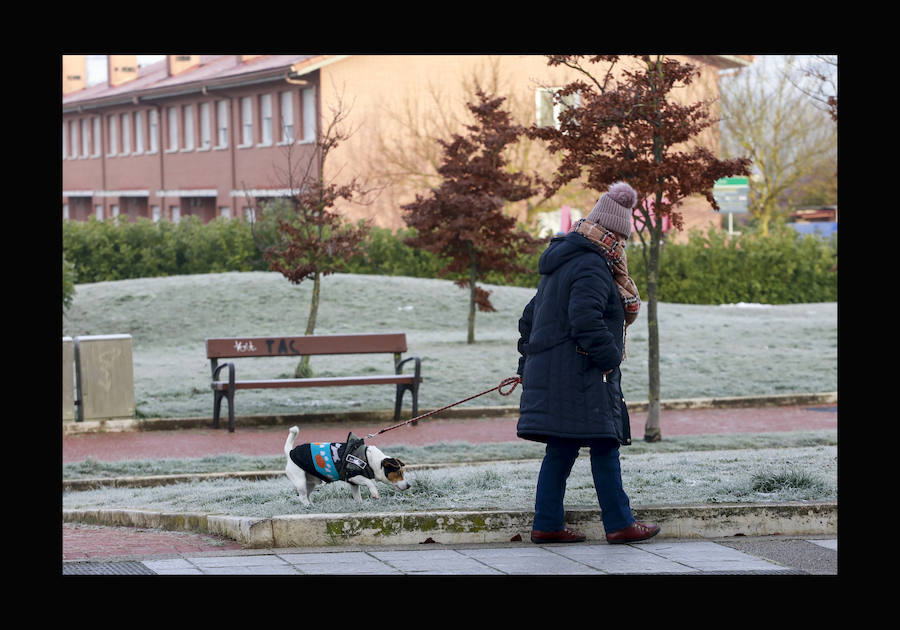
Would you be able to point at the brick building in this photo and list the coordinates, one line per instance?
(210, 136)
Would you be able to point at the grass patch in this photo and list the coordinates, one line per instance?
(445, 452)
(688, 477)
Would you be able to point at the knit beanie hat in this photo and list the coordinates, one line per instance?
(613, 210)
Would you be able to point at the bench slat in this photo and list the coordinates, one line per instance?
(236, 347)
(335, 381)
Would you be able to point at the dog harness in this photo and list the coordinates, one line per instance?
(334, 461)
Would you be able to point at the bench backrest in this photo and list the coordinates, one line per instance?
(236, 347)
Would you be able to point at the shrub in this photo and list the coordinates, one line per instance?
(69, 277)
(782, 268)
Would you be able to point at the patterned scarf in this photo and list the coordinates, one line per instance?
(614, 251)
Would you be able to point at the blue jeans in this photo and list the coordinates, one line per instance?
(549, 514)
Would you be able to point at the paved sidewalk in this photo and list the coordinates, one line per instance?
(762, 556)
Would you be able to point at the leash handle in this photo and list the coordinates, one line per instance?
(513, 382)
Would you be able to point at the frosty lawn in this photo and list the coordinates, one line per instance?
(744, 475)
(706, 351)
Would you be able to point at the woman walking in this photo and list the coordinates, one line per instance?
(572, 340)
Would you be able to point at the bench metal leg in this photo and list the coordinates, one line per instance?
(228, 394)
(413, 389)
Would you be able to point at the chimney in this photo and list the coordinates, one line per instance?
(121, 69)
(177, 64)
(74, 73)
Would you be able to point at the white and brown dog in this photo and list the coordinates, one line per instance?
(352, 461)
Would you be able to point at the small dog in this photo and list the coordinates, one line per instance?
(352, 461)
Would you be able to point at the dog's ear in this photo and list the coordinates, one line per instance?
(392, 463)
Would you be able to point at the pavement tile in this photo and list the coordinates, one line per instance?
(828, 544)
(620, 559)
(432, 562)
(528, 561)
(210, 562)
(709, 556)
(252, 570)
(171, 564)
(337, 563)
(337, 557)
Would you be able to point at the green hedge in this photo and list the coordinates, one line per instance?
(116, 250)
(783, 267)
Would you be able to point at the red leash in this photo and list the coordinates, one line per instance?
(514, 381)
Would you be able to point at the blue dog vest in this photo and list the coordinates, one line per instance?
(334, 461)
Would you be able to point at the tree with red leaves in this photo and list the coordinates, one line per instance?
(312, 239)
(462, 219)
(631, 129)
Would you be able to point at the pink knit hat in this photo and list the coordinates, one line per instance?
(613, 209)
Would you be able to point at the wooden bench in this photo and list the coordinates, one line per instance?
(241, 347)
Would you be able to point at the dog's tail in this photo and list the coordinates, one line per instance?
(289, 443)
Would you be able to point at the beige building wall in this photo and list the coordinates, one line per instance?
(398, 105)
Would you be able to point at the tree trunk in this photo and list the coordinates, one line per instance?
(303, 370)
(652, 431)
(472, 270)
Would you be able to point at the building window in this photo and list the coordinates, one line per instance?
(113, 127)
(153, 120)
(65, 140)
(126, 134)
(138, 132)
(176, 214)
(96, 136)
(74, 146)
(155, 213)
(548, 109)
(265, 113)
(222, 124)
(188, 127)
(85, 138)
(205, 127)
(309, 115)
(225, 212)
(173, 128)
(115, 210)
(98, 212)
(65, 211)
(246, 121)
(287, 117)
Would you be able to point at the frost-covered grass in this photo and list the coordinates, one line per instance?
(458, 452)
(715, 476)
(706, 351)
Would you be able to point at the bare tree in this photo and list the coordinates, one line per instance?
(816, 77)
(766, 119)
(310, 239)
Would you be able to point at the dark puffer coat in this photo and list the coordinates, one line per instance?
(570, 334)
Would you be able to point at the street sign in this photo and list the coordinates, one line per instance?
(731, 194)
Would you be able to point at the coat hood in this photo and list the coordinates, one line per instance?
(561, 250)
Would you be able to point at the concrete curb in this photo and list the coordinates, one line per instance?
(484, 526)
(168, 424)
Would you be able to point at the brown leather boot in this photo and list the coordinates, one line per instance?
(635, 532)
